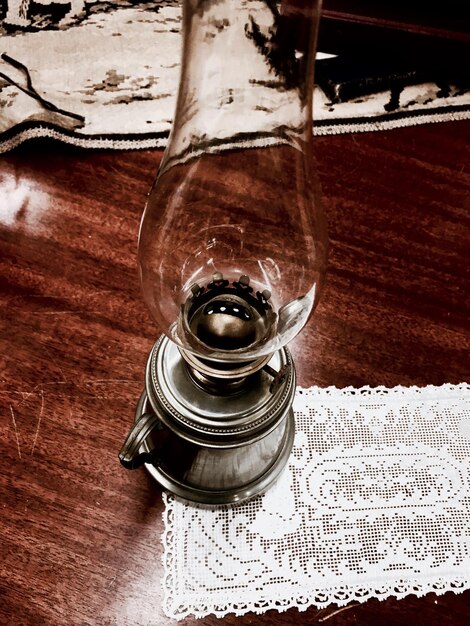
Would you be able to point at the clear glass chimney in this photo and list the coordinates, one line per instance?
(232, 244)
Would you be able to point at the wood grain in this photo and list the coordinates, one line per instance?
(81, 537)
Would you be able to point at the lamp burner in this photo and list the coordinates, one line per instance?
(228, 317)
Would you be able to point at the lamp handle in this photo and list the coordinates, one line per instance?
(131, 454)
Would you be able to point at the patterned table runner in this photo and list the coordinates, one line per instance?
(375, 502)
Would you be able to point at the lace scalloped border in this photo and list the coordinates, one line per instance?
(121, 142)
(382, 390)
(341, 596)
(322, 597)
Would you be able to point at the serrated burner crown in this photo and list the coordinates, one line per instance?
(228, 316)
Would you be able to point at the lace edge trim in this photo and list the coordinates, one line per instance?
(321, 599)
(147, 144)
(412, 390)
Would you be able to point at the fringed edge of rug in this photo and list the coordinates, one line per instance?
(28, 131)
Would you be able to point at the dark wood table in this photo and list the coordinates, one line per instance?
(80, 536)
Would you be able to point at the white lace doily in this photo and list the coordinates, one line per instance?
(375, 502)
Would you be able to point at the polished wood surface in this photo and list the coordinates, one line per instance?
(80, 536)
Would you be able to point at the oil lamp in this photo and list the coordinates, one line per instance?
(232, 252)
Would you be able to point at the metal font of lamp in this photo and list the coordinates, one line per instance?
(232, 252)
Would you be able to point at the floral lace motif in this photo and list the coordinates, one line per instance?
(374, 503)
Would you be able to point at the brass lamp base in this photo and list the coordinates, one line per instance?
(209, 448)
